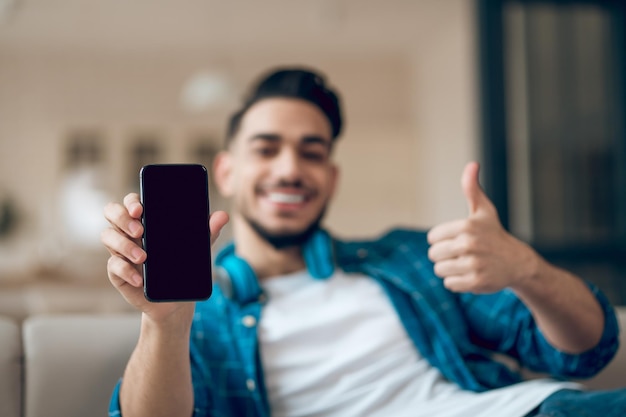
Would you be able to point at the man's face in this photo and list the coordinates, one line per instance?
(278, 169)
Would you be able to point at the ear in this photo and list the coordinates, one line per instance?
(334, 179)
(222, 173)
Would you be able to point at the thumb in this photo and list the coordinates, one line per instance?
(477, 200)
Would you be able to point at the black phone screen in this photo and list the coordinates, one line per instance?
(176, 236)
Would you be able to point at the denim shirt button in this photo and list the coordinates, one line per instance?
(250, 384)
(249, 321)
(361, 253)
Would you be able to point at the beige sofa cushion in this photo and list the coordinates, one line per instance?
(10, 368)
(73, 362)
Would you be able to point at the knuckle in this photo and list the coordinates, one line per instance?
(478, 265)
(118, 270)
(131, 198)
(105, 235)
(466, 243)
(472, 226)
(480, 282)
(109, 238)
(107, 207)
(474, 263)
(462, 243)
(111, 210)
(475, 279)
(113, 264)
(466, 226)
(125, 271)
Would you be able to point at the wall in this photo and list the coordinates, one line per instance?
(411, 124)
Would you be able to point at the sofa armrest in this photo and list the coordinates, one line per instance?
(72, 362)
(10, 368)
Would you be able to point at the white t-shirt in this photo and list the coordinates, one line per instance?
(337, 348)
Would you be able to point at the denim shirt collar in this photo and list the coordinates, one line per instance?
(239, 282)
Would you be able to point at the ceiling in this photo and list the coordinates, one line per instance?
(217, 24)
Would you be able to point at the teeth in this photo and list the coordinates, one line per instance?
(286, 198)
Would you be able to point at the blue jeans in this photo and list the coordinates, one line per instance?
(573, 403)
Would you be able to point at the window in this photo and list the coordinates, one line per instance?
(553, 83)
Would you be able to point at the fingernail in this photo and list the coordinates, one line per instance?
(136, 278)
(137, 254)
(134, 227)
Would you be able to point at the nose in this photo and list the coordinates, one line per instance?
(287, 166)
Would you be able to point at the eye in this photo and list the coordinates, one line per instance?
(265, 151)
(314, 156)
(314, 152)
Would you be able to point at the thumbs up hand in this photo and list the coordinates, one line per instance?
(477, 200)
(476, 254)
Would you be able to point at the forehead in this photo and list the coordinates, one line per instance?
(286, 117)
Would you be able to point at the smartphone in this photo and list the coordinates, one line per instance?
(177, 240)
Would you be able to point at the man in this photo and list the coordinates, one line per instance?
(306, 325)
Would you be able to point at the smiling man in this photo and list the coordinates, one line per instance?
(279, 173)
(303, 324)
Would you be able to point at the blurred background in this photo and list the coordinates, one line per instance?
(91, 90)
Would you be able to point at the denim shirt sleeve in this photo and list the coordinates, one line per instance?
(114, 404)
(513, 330)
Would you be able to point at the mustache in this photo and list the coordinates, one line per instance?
(281, 184)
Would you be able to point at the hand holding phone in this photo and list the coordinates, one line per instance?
(176, 237)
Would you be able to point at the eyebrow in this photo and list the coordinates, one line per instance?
(306, 140)
(270, 137)
(313, 139)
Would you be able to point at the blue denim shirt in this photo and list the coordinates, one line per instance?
(456, 333)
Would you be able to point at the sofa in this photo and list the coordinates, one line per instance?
(63, 365)
(67, 365)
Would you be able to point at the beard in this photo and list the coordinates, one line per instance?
(283, 240)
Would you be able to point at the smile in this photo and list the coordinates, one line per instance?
(284, 198)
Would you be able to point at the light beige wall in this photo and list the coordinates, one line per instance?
(445, 113)
(411, 123)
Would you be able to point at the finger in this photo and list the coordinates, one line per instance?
(120, 272)
(118, 243)
(456, 266)
(133, 205)
(120, 218)
(130, 288)
(477, 200)
(463, 244)
(448, 230)
(217, 221)
(445, 249)
(458, 283)
(470, 282)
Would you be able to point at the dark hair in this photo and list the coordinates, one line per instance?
(295, 83)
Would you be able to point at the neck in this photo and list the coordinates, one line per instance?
(265, 259)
